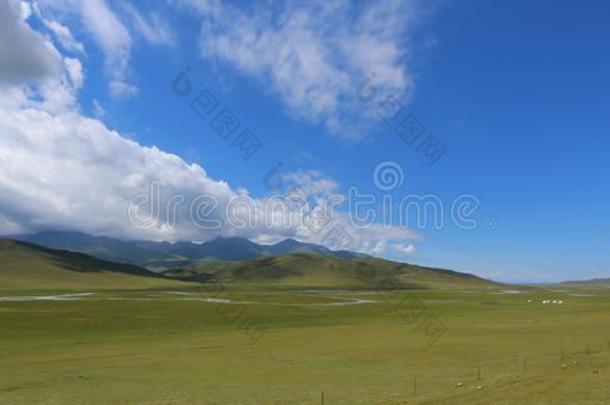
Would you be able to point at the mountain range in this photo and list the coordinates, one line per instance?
(159, 256)
(24, 266)
(63, 259)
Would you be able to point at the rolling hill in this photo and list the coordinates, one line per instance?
(27, 266)
(311, 270)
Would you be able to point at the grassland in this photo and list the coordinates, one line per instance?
(285, 329)
(173, 346)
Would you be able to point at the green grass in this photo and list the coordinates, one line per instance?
(154, 348)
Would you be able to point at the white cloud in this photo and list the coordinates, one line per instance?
(119, 88)
(63, 170)
(98, 111)
(64, 36)
(114, 39)
(24, 54)
(405, 249)
(311, 182)
(75, 72)
(61, 32)
(379, 248)
(314, 55)
(107, 31)
(57, 95)
(153, 28)
(25, 10)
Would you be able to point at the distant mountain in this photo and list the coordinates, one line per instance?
(592, 283)
(164, 255)
(102, 247)
(293, 246)
(30, 267)
(307, 270)
(229, 249)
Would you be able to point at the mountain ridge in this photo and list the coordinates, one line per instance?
(162, 255)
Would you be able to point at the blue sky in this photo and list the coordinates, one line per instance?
(517, 92)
